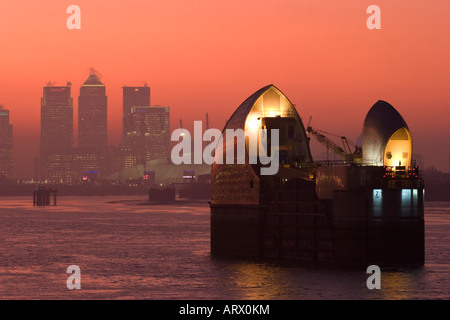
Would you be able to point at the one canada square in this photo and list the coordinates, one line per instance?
(92, 127)
(92, 115)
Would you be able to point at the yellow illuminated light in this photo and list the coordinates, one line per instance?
(398, 149)
(254, 123)
(272, 112)
(271, 104)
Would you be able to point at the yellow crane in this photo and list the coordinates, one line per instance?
(344, 152)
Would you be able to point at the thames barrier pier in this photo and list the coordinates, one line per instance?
(366, 209)
(42, 196)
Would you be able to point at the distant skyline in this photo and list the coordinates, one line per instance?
(203, 57)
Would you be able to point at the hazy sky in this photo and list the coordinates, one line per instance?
(203, 56)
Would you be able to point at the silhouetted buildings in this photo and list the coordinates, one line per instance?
(131, 151)
(157, 127)
(56, 133)
(89, 157)
(134, 96)
(6, 144)
(148, 134)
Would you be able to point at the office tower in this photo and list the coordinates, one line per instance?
(92, 115)
(134, 96)
(6, 144)
(56, 133)
(89, 157)
(148, 137)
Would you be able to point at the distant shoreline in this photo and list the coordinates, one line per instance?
(434, 191)
(66, 190)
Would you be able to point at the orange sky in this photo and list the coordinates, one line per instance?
(203, 56)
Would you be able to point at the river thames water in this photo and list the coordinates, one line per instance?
(127, 250)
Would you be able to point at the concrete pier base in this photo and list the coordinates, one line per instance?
(366, 225)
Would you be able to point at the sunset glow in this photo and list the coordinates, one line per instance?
(203, 57)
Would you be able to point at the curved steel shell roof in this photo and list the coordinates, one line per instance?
(270, 101)
(381, 122)
(240, 183)
(239, 116)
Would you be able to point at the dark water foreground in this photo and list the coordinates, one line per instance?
(127, 250)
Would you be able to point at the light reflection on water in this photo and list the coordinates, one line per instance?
(127, 250)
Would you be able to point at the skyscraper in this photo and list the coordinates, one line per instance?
(92, 115)
(148, 137)
(89, 157)
(6, 144)
(134, 96)
(56, 133)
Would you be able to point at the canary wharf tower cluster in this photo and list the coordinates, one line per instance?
(145, 133)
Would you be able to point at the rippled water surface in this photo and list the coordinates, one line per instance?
(127, 250)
